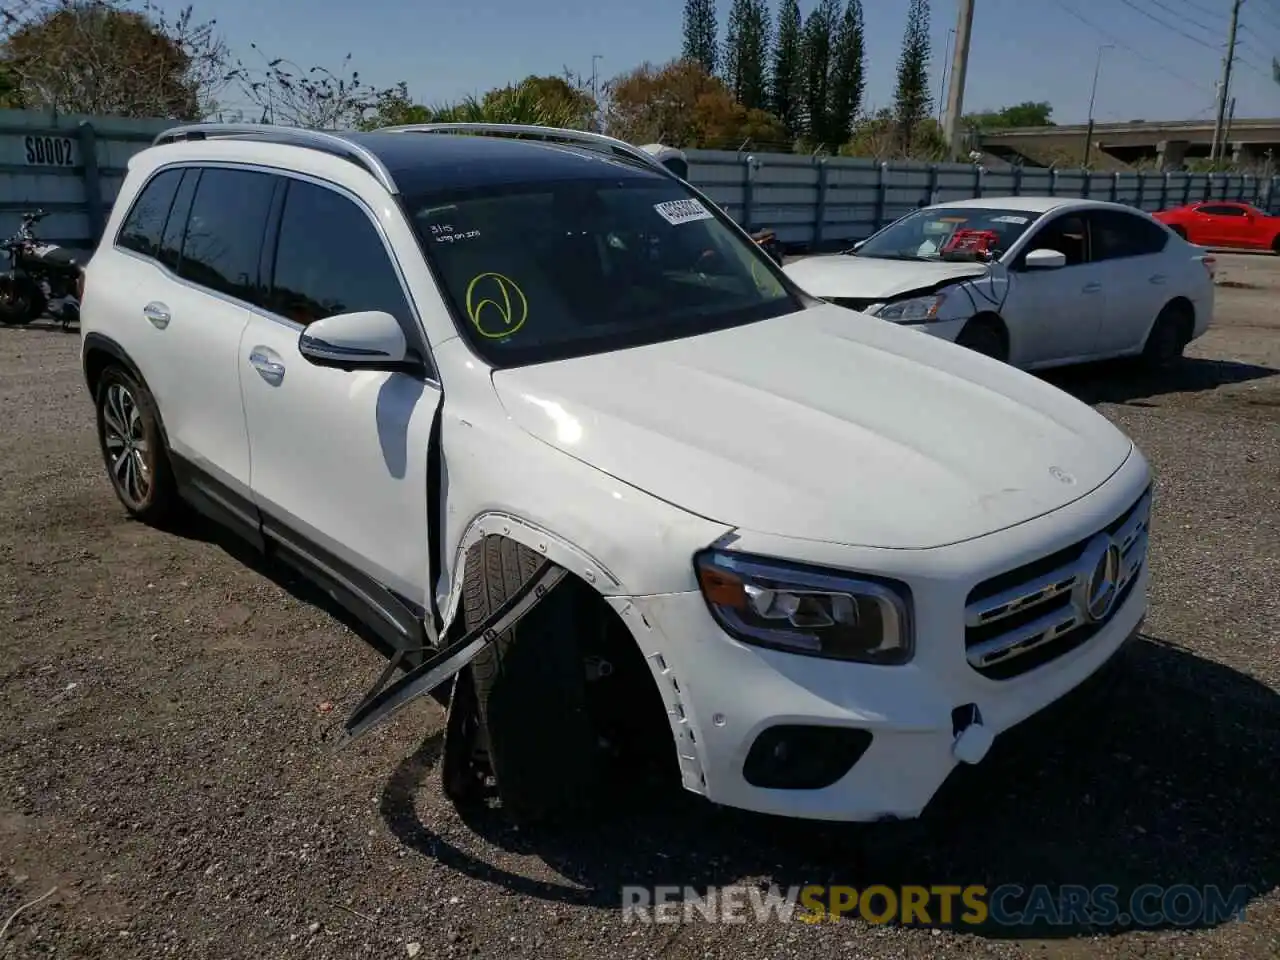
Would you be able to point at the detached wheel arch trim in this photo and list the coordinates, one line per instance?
(553, 547)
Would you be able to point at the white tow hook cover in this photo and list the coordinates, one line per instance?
(973, 743)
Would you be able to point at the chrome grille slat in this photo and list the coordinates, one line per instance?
(1066, 597)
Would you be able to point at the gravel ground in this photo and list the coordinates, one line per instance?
(167, 761)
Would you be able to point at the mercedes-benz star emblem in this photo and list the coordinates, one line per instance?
(1061, 475)
(1100, 567)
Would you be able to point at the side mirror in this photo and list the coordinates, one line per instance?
(1043, 259)
(365, 340)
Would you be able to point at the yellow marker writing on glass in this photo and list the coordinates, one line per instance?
(496, 305)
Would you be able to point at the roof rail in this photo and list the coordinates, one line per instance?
(583, 138)
(330, 143)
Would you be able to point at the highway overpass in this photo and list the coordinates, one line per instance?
(1168, 143)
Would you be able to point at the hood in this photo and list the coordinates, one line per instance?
(825, 425)
(866, 278)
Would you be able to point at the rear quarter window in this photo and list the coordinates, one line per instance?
(143, 226)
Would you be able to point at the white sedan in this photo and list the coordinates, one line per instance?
(1033, 281)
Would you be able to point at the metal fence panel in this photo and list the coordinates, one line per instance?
(69, 165)
(830, 202)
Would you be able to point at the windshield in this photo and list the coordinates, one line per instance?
(949, 233)
(550, 270)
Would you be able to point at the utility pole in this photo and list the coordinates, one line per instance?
(1224, 94)
(1093, 96)
(959, 67)
(942, 86)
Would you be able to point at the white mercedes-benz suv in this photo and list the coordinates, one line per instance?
(809, 561)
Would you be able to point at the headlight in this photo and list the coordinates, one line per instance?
(804, 610)
(915, 310)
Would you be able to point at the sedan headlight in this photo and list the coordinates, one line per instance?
(915, 310)
(807, 610)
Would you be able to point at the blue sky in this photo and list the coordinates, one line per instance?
(1022, 49)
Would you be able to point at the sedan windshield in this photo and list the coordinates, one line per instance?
(935, 233)
(548, 270)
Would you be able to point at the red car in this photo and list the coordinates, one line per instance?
(1223, 223)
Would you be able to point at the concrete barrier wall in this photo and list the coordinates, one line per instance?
(817, 203)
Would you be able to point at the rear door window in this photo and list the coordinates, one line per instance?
(1117, 235)
(223, 241)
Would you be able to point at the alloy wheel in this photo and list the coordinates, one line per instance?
(124, 438)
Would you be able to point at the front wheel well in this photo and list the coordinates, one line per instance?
(988, 320)
(567, 694)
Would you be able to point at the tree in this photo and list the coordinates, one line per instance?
(848, 73)
(682, 105)
(394, 107)
(562, 98)
(544, 101)
(1026, 114)
(746, 51)
(95, 56)
(315, 97)
(786, 82)
(912, 103)
(700, 33)
(819, 28)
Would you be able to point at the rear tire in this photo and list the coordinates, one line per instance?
(1169, 337)
(133, 447)
(984, 337)
(21, 301)
(530, 692)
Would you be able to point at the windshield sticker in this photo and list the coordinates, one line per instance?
(1010, 219)
(496, 306)
(953, 219)
(676, 212)
(443, 233)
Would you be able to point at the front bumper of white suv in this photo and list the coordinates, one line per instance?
(1002, 629)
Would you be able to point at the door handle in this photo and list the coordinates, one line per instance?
(1158, 278)
(270, 370)
(1091, 287)
(157, 313)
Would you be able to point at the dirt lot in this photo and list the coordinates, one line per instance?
(168, 715)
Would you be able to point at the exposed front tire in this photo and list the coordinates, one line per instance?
(1275, 245)
(133, 448)
(1169, 336)
(21, 300)
(985, 337)
(530, 693)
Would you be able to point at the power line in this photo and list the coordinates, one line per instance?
(1182, 33)
(1183, 16)
(1124, 46)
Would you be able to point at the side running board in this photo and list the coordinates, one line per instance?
(382, 701)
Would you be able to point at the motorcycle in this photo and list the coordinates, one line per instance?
(767, 240)
(40, 276)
